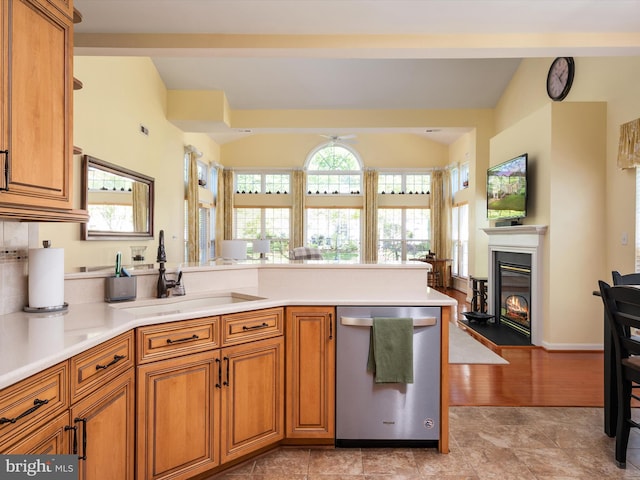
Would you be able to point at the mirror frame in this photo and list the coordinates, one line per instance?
(86, 234)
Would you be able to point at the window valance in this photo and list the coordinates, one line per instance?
(629, 147)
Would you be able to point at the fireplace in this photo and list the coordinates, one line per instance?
(520, 249)
(513, 291)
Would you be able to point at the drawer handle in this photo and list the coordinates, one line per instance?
(37, 403)
(255, 327)
(116, 359)
(185, 339)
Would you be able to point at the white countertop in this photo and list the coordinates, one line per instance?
(31, 342)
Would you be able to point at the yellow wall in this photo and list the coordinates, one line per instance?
(566, 146)
(118, 95)
(608, 79)
(375, 150)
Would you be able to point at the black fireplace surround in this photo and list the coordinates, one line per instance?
(512, 291)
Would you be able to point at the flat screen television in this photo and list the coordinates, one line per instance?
(507, 189)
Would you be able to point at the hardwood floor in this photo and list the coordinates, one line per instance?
(534, 377)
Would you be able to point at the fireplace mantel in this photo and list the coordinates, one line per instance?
(537, 230)
(521, 239)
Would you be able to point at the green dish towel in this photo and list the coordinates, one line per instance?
(391, 350)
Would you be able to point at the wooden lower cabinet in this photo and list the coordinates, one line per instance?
(105, 432)
(252, 397)
(178, 411)
(311, 341)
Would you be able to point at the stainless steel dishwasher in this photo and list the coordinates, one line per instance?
(390, 414)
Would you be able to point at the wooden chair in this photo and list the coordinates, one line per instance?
(622, 312)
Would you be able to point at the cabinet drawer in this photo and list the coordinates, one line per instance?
(97, 366)
(51, 439)
(29, 404)
(249, 326)
(168, 340)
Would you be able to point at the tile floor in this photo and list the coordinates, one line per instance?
(523, 443)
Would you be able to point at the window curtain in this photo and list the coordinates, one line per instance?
(441, 200)
(297, 209)
(193, 220)
(629, 146)
(219, 201)
(140, 206)
(227, 194)
(370, 244)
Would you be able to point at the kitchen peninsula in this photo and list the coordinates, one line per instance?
(254, 324)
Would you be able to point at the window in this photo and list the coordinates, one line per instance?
(464, 175)
(334, 169)
(263, 182)
(460, 240)
(208, 181)
(410, 183)
(255, 219)
(335, 231)
(455, 179)
(404, 224)
(403, 233)
(268, 223)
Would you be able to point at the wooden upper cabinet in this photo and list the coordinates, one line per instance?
(65, 7)
(37, 109)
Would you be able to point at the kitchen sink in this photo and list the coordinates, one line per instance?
(175, 305)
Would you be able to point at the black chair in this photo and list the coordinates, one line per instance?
(622, 312)
(628, 279)
(610, 394)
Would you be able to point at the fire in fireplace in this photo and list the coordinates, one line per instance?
(513, 293)
(517, 309)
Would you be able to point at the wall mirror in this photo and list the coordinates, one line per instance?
(119, 201)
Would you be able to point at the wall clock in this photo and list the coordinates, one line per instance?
(560, 78)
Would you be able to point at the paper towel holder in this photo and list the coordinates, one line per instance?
(53, 309)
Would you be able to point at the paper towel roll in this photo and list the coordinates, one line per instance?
(46, 277)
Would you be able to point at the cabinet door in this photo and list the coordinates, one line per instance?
(310, 372)
(37, 88)
(105, 425)
(51, 439)
(178, 411)
(252, 397)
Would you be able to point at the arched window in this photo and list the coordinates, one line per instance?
(334, 225)
(333, 169)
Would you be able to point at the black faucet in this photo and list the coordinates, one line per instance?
(163, 284)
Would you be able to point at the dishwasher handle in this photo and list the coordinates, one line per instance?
(368, 321)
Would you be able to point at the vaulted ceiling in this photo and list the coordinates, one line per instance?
(353, 54)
